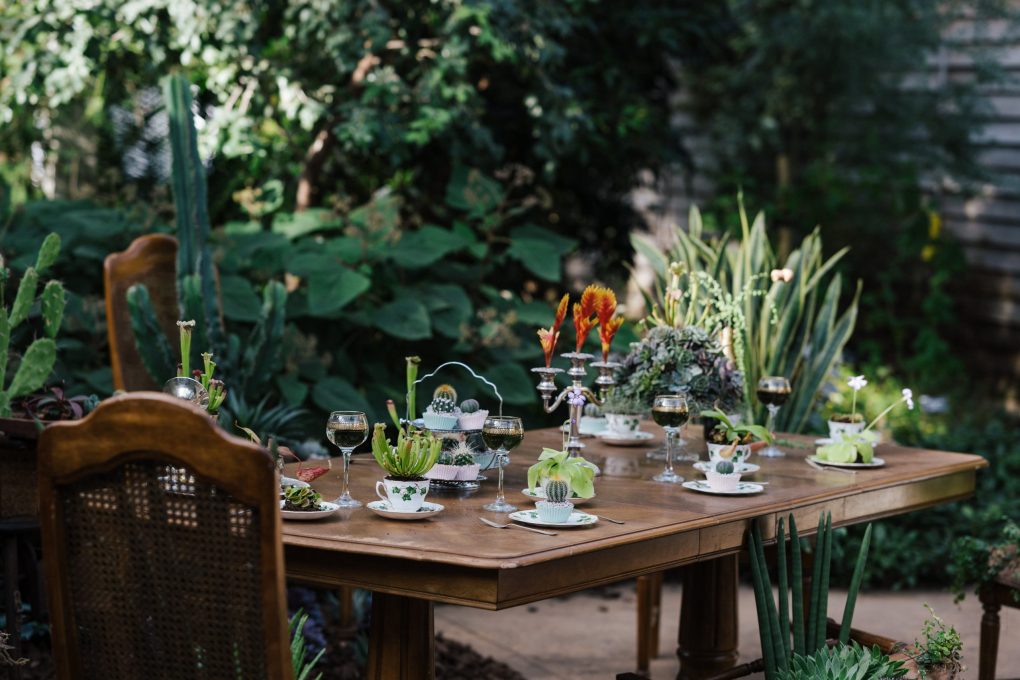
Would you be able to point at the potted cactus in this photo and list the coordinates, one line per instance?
(555, 508)
(472, 416)
(442, 413)
(723, 476)
(406, 486)
(577, 473)
(457, 463)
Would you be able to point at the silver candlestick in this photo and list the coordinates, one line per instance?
(577, 372)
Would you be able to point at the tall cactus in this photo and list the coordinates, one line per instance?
(247, 366)
(36, 363)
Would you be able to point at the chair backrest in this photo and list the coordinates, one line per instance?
(150, 260)
(162, 548)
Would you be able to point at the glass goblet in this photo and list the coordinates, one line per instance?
(671, 412)
(502, 434)
(773, 391)
(347, 430)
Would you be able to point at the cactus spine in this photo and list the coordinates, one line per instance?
(37, 361)
(556, 491)
(442, 405)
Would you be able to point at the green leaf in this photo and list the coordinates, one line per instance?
(329, 292)
(515, 384)
(838, 453)
(421, 248)
(470, 190)
(379, 217)
(336, 394)
(293, 390)
(240, 302)
(295, 225)
(405, 319)
(540, 251)
(450, 308)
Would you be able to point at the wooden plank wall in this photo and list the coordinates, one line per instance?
(986, 223)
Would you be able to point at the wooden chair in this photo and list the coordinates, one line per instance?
(150, 260)
(162, 548)
(1004, 590)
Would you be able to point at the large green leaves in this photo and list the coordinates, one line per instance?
(421, 248)
(405, 319)
(336, 394)
(540, 251)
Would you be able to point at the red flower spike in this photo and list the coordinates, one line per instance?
(561, 312)
(582, 324)
(549, 337)
(589, 298)
(605, 305)
(606, 332)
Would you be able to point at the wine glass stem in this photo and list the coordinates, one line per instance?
(346, 492)
(499, 488)
(670, 433)
(773, 409)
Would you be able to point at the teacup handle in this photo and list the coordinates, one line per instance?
(381, 494)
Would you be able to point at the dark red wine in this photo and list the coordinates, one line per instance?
(496, 438)
(670, 416)
(347, 435)
(773, 397)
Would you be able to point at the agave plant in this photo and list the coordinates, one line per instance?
(844, 662)
(779, 318)
(414, 455)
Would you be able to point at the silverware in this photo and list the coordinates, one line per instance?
(825, 468)
(511, 525)
(610, 519)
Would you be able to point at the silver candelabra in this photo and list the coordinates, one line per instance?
(577, 372)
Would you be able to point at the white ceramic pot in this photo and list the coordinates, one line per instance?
(837, 428)
(724, 483)
(555, 513)
(403, 496)
(741, 455)
(622, 424)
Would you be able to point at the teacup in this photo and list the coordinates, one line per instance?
(403, 495)
(741, 455)
(622, 424)
(836, 428)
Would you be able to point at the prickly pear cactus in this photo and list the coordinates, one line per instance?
(724, 467)
(469, 406)
(556, 491)
(443, 405)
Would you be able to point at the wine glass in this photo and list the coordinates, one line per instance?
(773, 391)
(347, 430)
(671, 412)
(502, 434)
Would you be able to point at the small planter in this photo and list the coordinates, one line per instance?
(404, 495)
(554, 513)
(839, 427)
(622, 423)
(741, 455)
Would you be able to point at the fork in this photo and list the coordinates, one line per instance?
(825, 468)
(610, 519)
(511, 525)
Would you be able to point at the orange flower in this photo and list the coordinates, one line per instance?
(549, 337)
(605, 304)
(589, 299)
(606, 332)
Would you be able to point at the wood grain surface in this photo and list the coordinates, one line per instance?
(453, 557)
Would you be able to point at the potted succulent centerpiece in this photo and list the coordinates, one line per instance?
(405, 486)
(623, 413)
(725, 433)
(576, 472)
(556, 507)
(858, 446)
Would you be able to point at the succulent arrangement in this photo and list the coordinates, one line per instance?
(844, 662)
(725, 431)
(413, 455)
(558, 465)
(35, 364)
(940, 652)
(623, 404)
(301, 498)
(857, 445)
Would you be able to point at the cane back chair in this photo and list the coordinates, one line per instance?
(162, 548)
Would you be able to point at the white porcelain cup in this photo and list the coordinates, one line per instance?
(837, 428)
(622, 424)
(403, 496)
(741, 455)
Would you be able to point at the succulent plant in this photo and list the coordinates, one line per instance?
(445, 458)
(445, 391)
(464, 459)
(414, 455)
(443, 405)
(556, 491)
(301, 498)
(37, 361)
(724, 467)
(462, 454)
(469, 406)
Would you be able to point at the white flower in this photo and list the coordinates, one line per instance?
(857, 383)
(908, 396)
(785, 275)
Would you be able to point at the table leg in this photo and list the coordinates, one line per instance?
(402, 645)
(707, 643)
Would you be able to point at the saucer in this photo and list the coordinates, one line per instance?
(382, 508)
(576, 519)
(290, 481)
(539, 496)
(325, 510)
(742, 468)
(876, 462)
(743, 488)
(636, 438)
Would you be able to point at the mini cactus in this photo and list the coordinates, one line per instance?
(462, 454)
(443, 405)
(445, 458)
(469, 406)
(724, 467)
(445, 391)
(556, 491)
(462, 459)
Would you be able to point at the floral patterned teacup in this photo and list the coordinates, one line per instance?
(402, 495)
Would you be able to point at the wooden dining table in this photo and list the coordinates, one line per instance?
(454, 558)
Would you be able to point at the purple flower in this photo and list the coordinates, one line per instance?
(575, 397)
